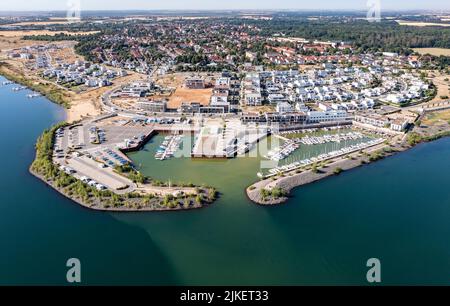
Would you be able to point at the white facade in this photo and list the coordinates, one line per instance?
(335, 115)
(284, 107)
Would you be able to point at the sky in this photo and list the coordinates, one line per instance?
(47, 5)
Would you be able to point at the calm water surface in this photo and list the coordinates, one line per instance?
(397, 210)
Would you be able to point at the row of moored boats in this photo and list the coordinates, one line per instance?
(20, 88)
(313, 140)
(325, 156)
(169, 147)
(283, 151)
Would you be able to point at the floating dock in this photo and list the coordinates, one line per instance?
(226, 142)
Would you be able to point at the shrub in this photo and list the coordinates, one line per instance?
(414, 138)
(337, 171)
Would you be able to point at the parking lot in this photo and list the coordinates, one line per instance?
(108, 156)
(88, 168)
(113, 136)
(90, 152)
(96, 153)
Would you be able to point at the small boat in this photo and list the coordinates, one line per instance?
(34, 95)
(19, 88)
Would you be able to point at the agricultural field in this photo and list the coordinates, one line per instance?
(422, 24)
(21, 33)
(52, 21)
(433, 51)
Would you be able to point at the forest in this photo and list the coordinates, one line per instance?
(366, 36)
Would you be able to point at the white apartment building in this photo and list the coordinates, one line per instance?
(328, 116)
(284, 107)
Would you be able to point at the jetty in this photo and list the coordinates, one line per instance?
(226, 141)
(313, 140)
(322, 157)
(295, 179)
(283, 151)
(169, 147)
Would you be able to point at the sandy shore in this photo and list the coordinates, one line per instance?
(82, 109)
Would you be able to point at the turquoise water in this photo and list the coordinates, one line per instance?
(397, 210)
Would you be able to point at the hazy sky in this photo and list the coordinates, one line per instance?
(27, 5)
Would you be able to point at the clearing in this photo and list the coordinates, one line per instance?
(442, 82)
(183, 94)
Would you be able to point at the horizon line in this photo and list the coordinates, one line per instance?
(231, 9)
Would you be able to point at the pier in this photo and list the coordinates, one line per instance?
(313, 140)
(168, 148)
(283, 151)
(227, 142)
(322, 157)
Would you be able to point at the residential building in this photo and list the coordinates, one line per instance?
(195, 83)
(284, 107)
(152, 106)
(328, 116)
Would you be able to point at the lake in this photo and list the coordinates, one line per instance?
(397, 210)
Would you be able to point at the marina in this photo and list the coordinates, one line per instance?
(313, 130)
(117, 119)
(313, 140)
(283, 151)
(169, 147)
(226, 139)
(322, 157)
(291, 221)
